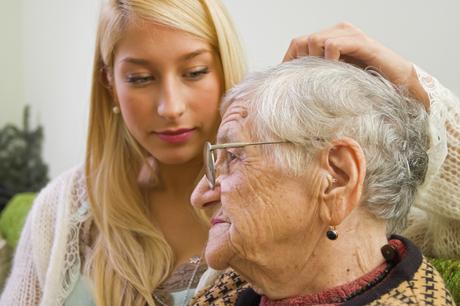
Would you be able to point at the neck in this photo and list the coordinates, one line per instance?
(324, 264)
(170, 208)
(179, 179)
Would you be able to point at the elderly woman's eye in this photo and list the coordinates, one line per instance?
(231, 156)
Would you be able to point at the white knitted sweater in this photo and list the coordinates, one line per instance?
(47, 262)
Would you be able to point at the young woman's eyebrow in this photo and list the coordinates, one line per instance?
(193, 54)
(135, 61)
(183, 58)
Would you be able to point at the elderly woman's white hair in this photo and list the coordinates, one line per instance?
(310, 101)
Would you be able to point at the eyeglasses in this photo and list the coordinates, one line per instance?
(210, 158)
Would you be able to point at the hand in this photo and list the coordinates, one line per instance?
(348, 43)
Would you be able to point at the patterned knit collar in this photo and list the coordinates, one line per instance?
(343, 293)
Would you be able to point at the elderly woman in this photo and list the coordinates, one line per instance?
(316, 163)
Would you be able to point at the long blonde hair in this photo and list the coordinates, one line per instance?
(131, 256)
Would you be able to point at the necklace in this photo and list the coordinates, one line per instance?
(195, 260)
(157, 298)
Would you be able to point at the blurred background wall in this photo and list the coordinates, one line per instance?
(47, 47)
(11, 65)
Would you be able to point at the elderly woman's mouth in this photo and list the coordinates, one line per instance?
(215, 221)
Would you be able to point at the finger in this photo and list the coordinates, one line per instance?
(290, 53)
(316, 44)
(341, 29)
(302, 46)
(343, 48)
(332, 49)
(297, 48)
(318, 40)
(351, 49)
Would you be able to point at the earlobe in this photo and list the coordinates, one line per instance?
(344, 172)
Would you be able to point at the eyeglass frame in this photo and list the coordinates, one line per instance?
(209, 161)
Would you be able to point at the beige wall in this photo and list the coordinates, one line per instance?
(58, 42)
(425, 32)
(11, 68)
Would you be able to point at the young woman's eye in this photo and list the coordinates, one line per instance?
(196, 74)
(139, 80)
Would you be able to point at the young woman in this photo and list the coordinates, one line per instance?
(109, 228)
(120, 230)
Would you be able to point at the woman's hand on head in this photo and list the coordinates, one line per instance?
(347, 43)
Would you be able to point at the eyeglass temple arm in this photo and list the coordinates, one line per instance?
(241, 144)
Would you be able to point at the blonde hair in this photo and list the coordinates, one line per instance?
(131, 256)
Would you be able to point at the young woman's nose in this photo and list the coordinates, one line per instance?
(171, 104)
(203, 196)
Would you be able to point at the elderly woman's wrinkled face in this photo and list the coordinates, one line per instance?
(262, 211)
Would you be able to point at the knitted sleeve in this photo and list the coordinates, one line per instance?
(23, 287)
(435, 222)
(25, 284)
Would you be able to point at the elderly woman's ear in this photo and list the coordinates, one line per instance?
(344, 168)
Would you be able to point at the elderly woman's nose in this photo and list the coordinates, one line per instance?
(203, 196)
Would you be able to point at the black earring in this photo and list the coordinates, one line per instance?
(332, 233)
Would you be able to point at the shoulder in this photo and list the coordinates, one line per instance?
(425, 288)
(248, 297)
(224, 291)
(412, 281)
(45, 227)
(56, 201)
(429, 282)
(55, 188)
(68, 185)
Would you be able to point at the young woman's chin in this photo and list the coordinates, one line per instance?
(177, 156)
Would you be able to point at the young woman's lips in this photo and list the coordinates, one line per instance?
(175, 136)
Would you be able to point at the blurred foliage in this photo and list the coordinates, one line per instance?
(21, 166)
(14, 216)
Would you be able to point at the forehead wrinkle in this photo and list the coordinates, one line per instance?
(228, 131)
(234, 114)
(223, 135)
(229, 103)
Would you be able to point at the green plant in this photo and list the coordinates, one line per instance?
(14, 216)
(21, 166)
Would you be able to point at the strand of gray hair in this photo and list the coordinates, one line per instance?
(309, 99)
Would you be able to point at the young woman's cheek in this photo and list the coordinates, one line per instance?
(137, 108)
